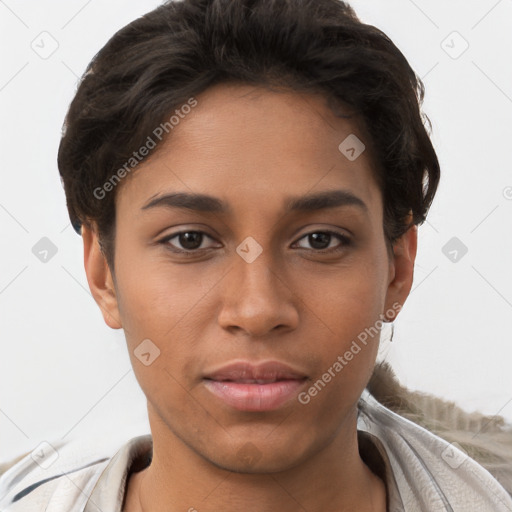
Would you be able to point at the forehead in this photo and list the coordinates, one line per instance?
(252, 147)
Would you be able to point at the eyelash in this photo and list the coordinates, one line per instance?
(346, 241)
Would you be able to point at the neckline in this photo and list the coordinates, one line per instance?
(141, 455)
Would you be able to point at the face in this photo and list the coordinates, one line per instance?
(257, 274)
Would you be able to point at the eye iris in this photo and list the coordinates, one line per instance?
(190, 239)
(322, 238)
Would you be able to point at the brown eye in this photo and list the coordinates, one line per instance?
(320, 241)
(186, 240)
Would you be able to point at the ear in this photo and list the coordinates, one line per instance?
(100, 278)
(401, 270)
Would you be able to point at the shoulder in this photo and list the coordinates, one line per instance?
(64, 472)
(428, 472)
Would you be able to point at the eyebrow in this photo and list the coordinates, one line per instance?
(210, 204)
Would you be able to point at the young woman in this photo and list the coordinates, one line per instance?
(247, 177)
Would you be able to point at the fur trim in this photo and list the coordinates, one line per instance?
(488, 440)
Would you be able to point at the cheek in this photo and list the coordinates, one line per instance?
(346, 349)
(347, 319)
(155, 297)
(345, 301)
(169, 306)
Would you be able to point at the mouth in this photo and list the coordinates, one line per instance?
(247, 387)
(253, 381)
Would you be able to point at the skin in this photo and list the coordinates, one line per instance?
(252, 148)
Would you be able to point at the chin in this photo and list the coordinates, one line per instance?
(252, 459)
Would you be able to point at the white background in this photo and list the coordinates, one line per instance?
(64, 373)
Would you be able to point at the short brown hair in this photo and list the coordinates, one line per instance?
(155, 64)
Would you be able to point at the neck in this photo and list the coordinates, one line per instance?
(180, 479)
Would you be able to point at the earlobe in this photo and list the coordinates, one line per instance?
(100, 279)
(402, 266)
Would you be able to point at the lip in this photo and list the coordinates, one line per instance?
(276, 384)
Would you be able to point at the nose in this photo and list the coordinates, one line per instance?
(257, 298)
